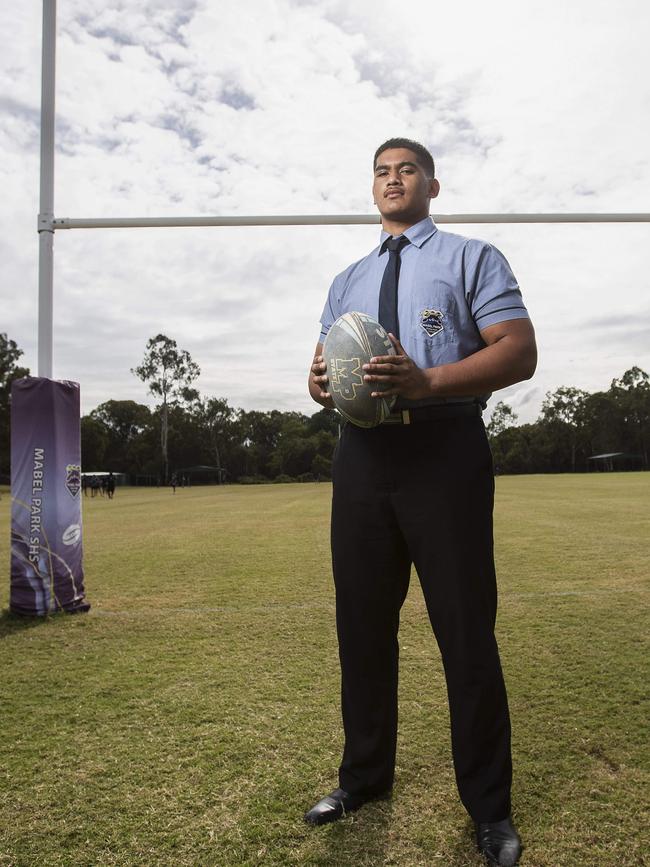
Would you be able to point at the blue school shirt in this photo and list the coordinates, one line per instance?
(450, 288)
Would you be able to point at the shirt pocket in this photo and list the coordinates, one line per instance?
(435, 321)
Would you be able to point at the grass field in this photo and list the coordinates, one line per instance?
(192, 715)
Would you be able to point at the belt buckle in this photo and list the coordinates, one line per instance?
(406, 416)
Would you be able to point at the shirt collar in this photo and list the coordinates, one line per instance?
(417, 234)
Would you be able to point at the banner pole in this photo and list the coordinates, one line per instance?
(46, 211)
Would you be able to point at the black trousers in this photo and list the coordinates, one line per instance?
(422, 494)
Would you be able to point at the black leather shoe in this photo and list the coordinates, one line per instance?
(337, 805)
(499, 842)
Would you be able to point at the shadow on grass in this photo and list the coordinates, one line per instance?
(360, 840)
(466, 848)
(11, 623)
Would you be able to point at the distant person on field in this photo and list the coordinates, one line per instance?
(418, 489)
(110, 485)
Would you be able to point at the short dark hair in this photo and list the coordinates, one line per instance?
(425, 159)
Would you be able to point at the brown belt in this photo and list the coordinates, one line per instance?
(435, 412)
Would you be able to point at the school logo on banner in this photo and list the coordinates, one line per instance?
(72, 535)
(73, 479)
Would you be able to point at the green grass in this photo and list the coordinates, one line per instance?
(192, 715)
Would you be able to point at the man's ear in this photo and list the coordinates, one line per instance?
(435, 188)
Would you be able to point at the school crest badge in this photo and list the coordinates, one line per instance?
(73, 479)
(432, 321)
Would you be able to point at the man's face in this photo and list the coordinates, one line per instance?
(400, 188)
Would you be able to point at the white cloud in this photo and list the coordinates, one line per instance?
(169, 107)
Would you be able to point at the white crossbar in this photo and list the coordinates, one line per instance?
(332, 220)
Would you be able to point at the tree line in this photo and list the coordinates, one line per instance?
(576, 426)
(208, 440)
(187, 434)
(187, 431)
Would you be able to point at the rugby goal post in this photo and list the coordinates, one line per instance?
(65, 465)
(48, 223)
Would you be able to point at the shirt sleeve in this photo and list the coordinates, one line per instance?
(331, 309)
(492, 290)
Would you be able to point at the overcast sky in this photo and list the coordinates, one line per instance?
(197, 107)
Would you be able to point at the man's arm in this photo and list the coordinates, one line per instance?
(318, 380)
(510, 356)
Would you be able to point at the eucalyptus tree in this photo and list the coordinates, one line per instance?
(218, 421)
(169, 372)
(565, 408)
(503, 416)
(632, 394)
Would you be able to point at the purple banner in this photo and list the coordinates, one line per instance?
(46, 543)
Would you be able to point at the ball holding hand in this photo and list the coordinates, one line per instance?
(397, 375)
(319, 375)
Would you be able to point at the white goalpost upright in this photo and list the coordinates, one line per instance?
(46, 206)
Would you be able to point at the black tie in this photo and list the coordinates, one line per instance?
(388, 292)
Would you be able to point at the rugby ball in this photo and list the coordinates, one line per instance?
(350, 343)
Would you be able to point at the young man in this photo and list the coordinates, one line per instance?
(418, 489)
